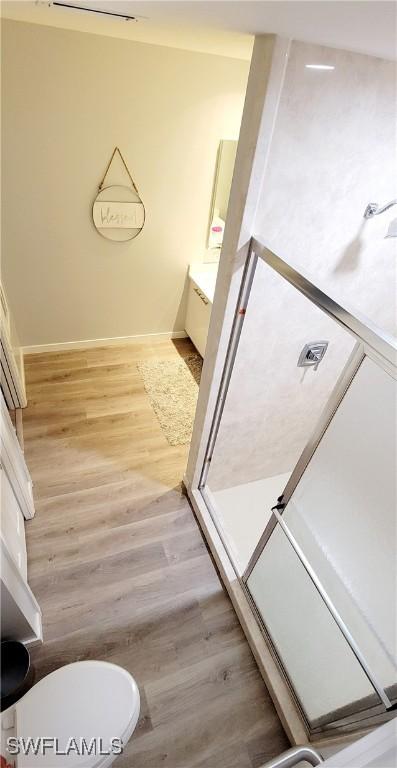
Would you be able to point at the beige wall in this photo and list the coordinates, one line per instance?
(68, 99)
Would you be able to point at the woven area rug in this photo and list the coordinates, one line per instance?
(172, 386)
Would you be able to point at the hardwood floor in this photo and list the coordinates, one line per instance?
(120, 569)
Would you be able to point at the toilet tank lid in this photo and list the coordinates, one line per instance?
(87, 700)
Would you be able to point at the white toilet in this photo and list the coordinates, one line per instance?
(87, 700)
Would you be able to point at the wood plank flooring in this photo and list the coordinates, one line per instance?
(119, 566)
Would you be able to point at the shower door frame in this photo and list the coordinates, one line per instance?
(370, 342)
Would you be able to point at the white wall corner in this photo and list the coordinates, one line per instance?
(265, 83)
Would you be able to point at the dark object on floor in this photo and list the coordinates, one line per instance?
(16, 672)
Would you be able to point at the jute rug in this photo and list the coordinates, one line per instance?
(172, 386)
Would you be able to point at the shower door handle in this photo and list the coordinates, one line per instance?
(294, 756)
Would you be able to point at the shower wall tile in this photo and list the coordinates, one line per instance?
(332, 152)
(272, 405)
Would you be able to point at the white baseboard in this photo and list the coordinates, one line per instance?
(64, 346)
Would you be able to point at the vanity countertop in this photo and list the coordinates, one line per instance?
(204, 275)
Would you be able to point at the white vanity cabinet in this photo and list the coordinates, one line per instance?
(197, 317)
(202, 279)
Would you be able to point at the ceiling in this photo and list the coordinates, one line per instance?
(227, 27)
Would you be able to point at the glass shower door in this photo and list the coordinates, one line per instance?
(324, 577)
(271, 407)
(324, 673)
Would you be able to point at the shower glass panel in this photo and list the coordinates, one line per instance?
(321, 665)
(271, 408)
(342, 514)
(319, 442)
